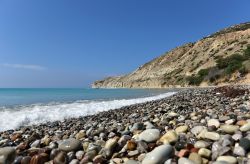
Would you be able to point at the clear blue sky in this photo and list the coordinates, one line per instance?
(70, 43)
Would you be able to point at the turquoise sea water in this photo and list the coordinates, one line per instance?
(33, 106)
(22, 96)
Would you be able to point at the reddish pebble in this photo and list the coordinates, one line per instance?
(183, 153)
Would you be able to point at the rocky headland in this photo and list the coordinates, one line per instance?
(194, 126)
(218, 59)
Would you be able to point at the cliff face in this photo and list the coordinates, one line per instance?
(175, 68)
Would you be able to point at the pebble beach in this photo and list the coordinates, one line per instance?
(194, 126)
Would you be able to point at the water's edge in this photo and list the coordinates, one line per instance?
(42, 113)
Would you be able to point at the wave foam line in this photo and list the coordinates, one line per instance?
(36, 114)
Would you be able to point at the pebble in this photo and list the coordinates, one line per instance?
(239, 151)
(61, 158)
(79, 154)
(245, 127)
(212, 136)
(245, 144)
(203, 152)
(131, 145)
(230, 129)
(183, 160)
(201, 144)
(81, 134)
(169, 137)
(70, 144)
(159, 155)
(74, 161)
(7, 155)
(213, 122)
(196, 158)
(228, 159)
(26, 160)
(197, 130)
(133, 153)
(181, 129)
(150, 135)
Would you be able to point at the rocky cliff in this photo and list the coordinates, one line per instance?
(220, 58)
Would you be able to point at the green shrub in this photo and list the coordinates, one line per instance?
(212, 79)
(194, 80)
(232, 61)
(232, 67)
(243, 70)
(247, 52)
(203, 72)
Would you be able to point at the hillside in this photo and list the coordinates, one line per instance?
(220, 58)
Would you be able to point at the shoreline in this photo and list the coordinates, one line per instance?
(179, 125)
(178, 87)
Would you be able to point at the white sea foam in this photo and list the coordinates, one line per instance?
(35, 114)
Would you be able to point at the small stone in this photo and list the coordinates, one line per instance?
(141, 157)
(79, 155)
(117, 160)
(74, 161)
(169, 137)
(224, 118)
(123, 140)
(131, 145)
(81, 134)
(40, 159)
(173, 114)
(180, 145)
(159, 155)
(110, 145)
(203, 152)
(18, 160)
(71, 155)
(70, 144)
(212, 136)
(150, 135)
(181, 129)
(241, 122)
(7, 155)
(45, 140)
(237, 137)
(26, 160)
(183, 153)
(133, 153)
(149, 125)
(142, 146)
(196, 158)
(213, 122)
(205, 161)
(197, 129)
(99, 159)
(230, 129)
(201, 144)
(228, 159)
(245, 144)
(229, 122)
(36, 144)
(61, 158)
(239, 151)
(245, 127)
(130, 161)
(183, 160)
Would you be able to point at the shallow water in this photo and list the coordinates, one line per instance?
(34, 106)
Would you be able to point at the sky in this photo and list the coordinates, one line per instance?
(71, 43)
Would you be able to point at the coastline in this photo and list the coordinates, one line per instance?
(192, 124)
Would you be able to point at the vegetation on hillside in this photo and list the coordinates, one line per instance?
(227, 65)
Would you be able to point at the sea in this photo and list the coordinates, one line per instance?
(27, 106)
